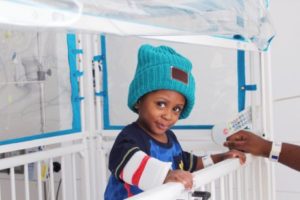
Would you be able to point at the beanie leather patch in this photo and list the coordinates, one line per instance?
(179, 75)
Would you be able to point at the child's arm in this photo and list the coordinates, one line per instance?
(222, 156)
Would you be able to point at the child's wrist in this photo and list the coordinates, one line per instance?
(218, 157)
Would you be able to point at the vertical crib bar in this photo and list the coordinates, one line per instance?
(213, 190)
(39, 178)
(230, 186)
(246, 182)
(63, 178)
(13, 183)
(242, 177)
(254, 186)
(86, 173)
(202, 188)
(26, 182)
(260, 179)
(52, 179)
(238, 182)
(74, 175)
(222, 188)
(0, 192)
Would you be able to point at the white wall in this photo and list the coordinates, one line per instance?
(286, 83)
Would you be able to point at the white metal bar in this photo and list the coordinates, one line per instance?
(222, 188)
(246, 181)
(266, 72)
(90, 109)
(230, 186)
(201, 177)
(253, 180)
(86, 183)
(260, 180)
(213, 190)
(26, 182)
(101, 162)
(239, 184)
(86, 174)
(41, 155)
(44, 141)
(218, 170)
(168, 191)
(208, 41)
(39, 178)
(74, 177)
(242, 183)
(52, 190)
(202, 188)
(12, 183)
(63, 178)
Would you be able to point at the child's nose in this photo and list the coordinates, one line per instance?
(167, 114)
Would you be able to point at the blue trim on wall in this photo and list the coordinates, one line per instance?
(104, 93)
(75, 98)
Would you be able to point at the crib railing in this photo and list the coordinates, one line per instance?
(47, 169)
(227, 180)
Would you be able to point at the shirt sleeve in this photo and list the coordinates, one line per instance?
(129, 163)
(123, 149)
(189, 161)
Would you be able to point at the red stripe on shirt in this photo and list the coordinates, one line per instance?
(138, 173)
(121, 175)
(127, 187)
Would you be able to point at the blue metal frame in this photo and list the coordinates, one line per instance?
(242, 87)
(75, 98)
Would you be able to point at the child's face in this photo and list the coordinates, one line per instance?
(159, 110)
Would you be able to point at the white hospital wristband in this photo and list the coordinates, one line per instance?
(207, 161)
(275, 151)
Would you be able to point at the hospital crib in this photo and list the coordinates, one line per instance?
(47, 169)
(74, 166)
(227, 180)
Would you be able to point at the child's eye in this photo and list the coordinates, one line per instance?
(177, 109)
(161, 104)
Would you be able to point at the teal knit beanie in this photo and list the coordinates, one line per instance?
(162, 68)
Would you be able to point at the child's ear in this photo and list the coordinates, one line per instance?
(137, 105)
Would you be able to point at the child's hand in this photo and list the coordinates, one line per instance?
(181, 176)
(235, 154)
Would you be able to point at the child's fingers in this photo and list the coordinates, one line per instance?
(181, 176)
(238, 154)
(187, 180)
